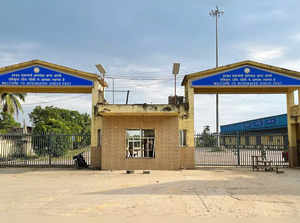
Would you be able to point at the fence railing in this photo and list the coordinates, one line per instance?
(236, 150)
(42, 150)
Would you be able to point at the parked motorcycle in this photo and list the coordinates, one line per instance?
(80, 162)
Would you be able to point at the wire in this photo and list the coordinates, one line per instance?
(142, 77)
(46, 102)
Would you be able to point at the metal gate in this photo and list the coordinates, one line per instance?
(43, 150)
(236, 150)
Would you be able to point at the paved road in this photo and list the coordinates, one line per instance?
(235, 192)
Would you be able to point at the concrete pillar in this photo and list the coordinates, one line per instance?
(292, 131)
(298, 96)
(189, 94)
(95, 151)
(186, 122)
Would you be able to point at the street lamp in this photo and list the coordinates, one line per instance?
(217, 13)
(175, 71)
(102, 71)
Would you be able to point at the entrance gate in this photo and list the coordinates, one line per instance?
(245, 77)
(236, 150)
(38, 76)
(25, 150)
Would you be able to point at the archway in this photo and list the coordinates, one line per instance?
(38, 76)
(249, 77)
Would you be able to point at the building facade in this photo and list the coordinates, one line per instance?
(143, 136)
(265, 131)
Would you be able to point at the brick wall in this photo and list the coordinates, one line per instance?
(167, 153)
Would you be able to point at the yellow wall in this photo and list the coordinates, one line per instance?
(167, 153)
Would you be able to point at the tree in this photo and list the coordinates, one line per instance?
(52, 124)
(7, 122)
(53, 120)
(10, 102)
(208, 139)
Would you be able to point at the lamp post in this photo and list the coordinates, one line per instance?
(102, 71)
(217, 13)
(175, 71)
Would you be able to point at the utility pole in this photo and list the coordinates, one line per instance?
(217, 13)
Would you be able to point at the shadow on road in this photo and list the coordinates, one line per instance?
(231, 187)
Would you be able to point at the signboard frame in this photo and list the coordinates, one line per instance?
(295, 77)
(72, 77)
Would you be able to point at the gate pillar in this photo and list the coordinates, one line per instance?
(292, 131)
(96, 125)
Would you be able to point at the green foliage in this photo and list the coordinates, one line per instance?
(51, 124)
(10, 102)
(206, 139)
(209, 140)
(54, 145)
(59, 121)
(7, 122)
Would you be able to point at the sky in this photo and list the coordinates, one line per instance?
(139, 39)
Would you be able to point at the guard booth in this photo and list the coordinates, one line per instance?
(143, 137)
(250, 77)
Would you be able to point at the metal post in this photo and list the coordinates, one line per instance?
(216, 12)
(175, 89)
(49, 150)
(127, 97)
(217, 95)
(113, 90)
(238, 149)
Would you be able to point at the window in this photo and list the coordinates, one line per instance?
(140, 143)
(258, 140)
(247, 140)
(182, 137)
(99, 138)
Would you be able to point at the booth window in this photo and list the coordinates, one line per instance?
(140, 143)
(182, 137)
(99, 139)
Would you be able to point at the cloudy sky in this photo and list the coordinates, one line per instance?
(139, 39)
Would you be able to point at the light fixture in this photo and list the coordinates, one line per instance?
(175, 71)
(176, 67)
(101, 69)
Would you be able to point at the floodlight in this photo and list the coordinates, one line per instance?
(100, 69)
(176, 67)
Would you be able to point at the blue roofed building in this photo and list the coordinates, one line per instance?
(270, 130)
(267, 125)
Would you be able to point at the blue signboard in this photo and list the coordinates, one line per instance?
(246, 76)
(41, 76)
(274, 122)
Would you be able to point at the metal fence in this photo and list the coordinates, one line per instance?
(236, 150)
(43, 150)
